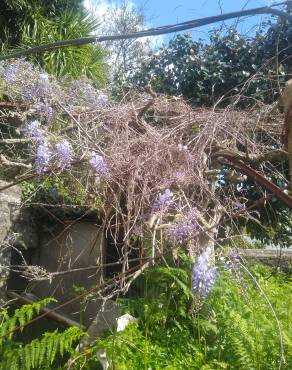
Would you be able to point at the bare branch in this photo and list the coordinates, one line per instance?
(14, 141)
(6, 162)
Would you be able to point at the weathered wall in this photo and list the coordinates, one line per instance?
(9, 202)
(72, 246)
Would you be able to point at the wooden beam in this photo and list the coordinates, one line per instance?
(56, 316)
(267, 254)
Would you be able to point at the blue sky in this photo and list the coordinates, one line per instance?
(160, 12)
(163, 12)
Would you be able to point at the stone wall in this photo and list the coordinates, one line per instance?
(9, 203)
(69, 246)
(18, 232)
(73, 245)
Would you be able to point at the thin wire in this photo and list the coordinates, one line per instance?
(153, 31)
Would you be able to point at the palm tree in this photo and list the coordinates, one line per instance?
(29, 23)
(76, 61)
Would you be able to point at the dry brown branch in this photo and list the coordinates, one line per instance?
(257, 177)
(5, 162)
(277, 156)
(14, 141)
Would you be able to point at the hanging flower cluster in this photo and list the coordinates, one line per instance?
(203, 274)
(64, 153)
(45, 111)
(39, 89)
(163, 202)
(82, 92)
(233, 261)
(99, 164)
(26, 82)
(33, 131)
(43, 157)
(44, 150)
(183, 230)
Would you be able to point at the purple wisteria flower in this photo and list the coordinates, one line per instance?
(83, 92)
(203, 274)
(14, 72)
(233, 261)
(40, 88)
(99, 164)
(175, 178)
(43, 157)
(163, 202)
(10, 73)
(101, 100)
(33, 131)
(183, 230)
(45, 111)
(64, 153)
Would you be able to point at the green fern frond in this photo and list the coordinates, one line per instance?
(20, 317)
(40, 353)
(242, 354)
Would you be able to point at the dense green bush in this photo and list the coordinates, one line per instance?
(205, 71)
(27, 24)
(234, 329)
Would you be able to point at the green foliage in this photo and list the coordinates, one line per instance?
(32, 23)
(204, 72)
(59, 197)
(14, 14)
(76, 61)
(247, 335)
(234, 329)
(20, 317)
(60, 189)
(39, 353)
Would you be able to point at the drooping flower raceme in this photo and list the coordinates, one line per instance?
(203, 274)
(99, 164)
(183, 230)
(45, 111)
(43, 157)
(163, 202)
(40, 88)
(10, 73)
(64, 153)
(233, 261)
(33, 131)
(82, 92)
(101, 100)
(15, 72)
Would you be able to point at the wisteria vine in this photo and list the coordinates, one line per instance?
(154, 177)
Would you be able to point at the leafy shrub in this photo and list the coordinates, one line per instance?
(235, 328)
(205, 71)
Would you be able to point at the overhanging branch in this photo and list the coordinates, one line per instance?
(259, 178)
(276, 155)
